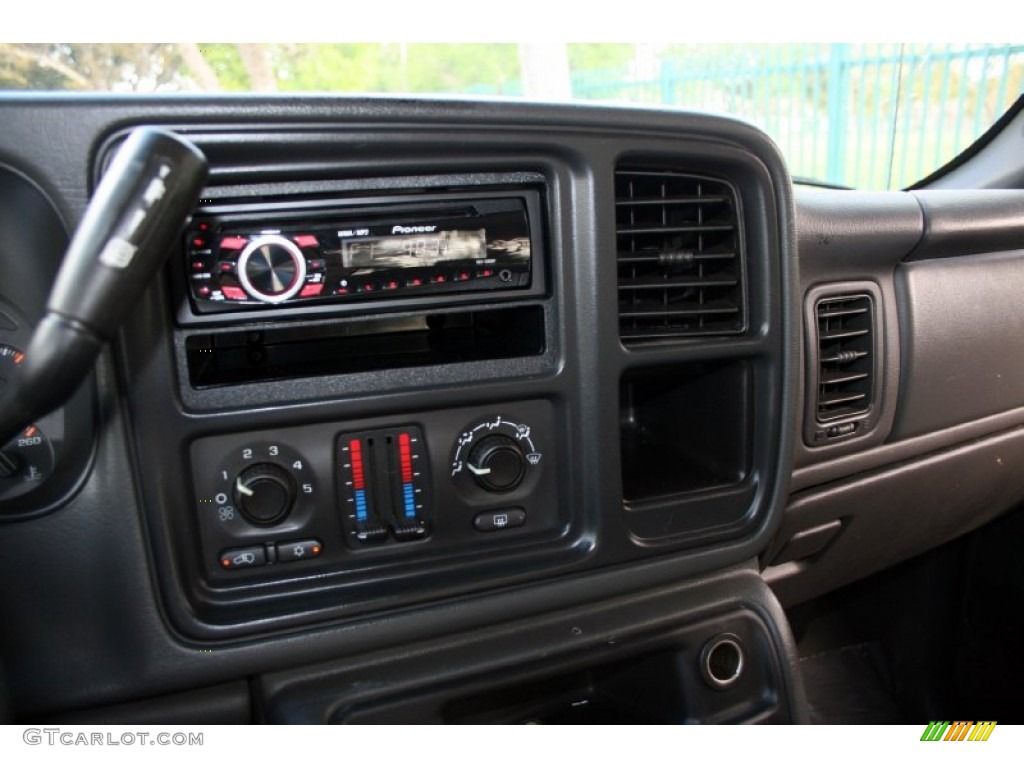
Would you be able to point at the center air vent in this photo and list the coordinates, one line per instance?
(680, 268)
(845, 356)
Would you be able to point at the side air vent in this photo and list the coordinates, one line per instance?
(845, 356)
(680, 266)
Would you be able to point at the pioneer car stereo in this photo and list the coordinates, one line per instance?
(294, 253)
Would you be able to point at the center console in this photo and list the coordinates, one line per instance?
(469, 378)
(294, 286)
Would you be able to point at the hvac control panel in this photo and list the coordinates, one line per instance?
(328, 497)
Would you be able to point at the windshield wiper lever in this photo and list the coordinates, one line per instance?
(139, 207)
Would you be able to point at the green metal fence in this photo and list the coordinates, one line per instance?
(874, 116)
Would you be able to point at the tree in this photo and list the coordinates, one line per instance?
(95, 67)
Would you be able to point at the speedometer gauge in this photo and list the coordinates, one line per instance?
(27, 460)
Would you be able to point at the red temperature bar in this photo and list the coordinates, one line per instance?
(405, 456)
(355, 448)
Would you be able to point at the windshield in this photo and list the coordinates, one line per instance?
(870, 116)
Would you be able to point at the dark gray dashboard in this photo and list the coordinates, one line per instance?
(939, 457)
(652, 428)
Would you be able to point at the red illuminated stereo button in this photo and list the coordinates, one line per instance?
(233, 243)
(306, 241)
(203, 290)
(233, 292)
(313, 289)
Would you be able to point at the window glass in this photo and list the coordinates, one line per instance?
(871, 116)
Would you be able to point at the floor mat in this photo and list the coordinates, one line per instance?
(844, 687)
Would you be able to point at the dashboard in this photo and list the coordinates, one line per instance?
(450, 411)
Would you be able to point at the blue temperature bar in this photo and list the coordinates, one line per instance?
(361, 506)
(410, 504)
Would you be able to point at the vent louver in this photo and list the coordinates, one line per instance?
(679, 263)
(845, 356)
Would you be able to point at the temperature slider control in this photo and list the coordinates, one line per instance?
(382, 482)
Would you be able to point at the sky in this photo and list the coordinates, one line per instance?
(515, 20)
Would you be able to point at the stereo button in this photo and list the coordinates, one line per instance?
(232, 243)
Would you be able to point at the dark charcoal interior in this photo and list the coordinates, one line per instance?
(457, 412)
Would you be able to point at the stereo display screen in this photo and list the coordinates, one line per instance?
(414, 250)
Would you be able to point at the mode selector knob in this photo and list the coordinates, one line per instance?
(497, 464)
(272, 269)
(265, 493)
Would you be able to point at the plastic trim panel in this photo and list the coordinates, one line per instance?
(962, 321)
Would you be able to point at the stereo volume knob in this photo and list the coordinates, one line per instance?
(497, 464)
(265, 493)
(272, 269)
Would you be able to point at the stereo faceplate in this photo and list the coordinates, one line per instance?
(336, 253)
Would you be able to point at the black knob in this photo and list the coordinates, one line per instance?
(272, 269)
(264, 493)
(497, 464)
(10, 464)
